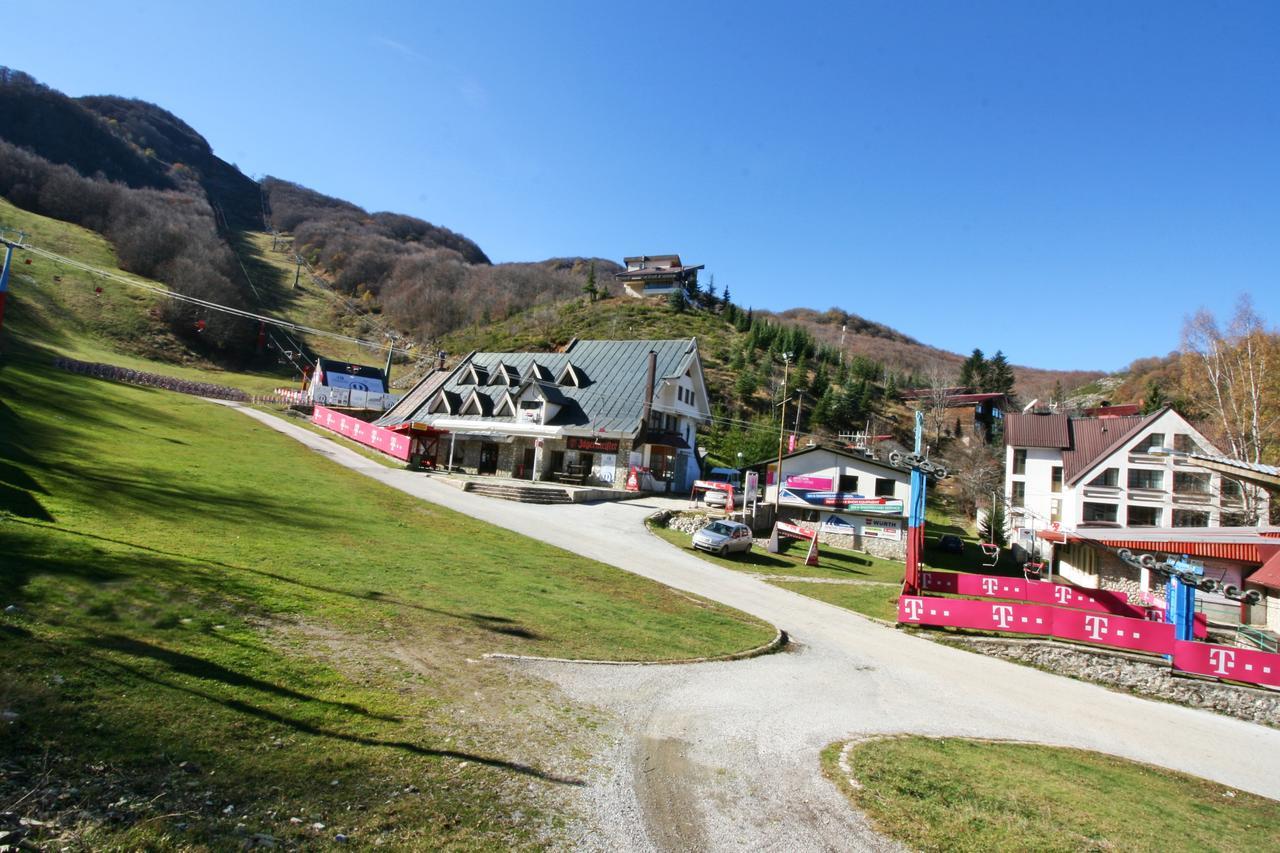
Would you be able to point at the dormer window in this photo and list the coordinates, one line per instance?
(476, 404)
(541, 373)
(506, 406)
(505, 374)
(474, 375)
(571, 375)
(442, 404)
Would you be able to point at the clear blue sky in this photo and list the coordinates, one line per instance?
(1061, 180)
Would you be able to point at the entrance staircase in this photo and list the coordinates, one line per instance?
(523, 494)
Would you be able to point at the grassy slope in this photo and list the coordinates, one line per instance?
(952, 794)
(195, 587)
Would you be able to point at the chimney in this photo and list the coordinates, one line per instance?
(440, 357)
(648, 388)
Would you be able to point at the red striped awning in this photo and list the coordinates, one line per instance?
(1245, 552)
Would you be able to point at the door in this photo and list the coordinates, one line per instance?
(488, 459)
(524, 470)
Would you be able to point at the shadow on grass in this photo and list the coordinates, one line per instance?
(113, 669)
(200, 668)
(100, 567)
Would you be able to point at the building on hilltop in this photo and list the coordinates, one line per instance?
(586, 415)
(977, 415)
(656, 275)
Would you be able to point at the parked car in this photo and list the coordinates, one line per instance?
(723, 537)
(715, 498)
(951, 544)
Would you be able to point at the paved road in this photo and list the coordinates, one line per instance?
(725, 756)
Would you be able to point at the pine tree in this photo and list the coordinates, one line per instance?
(999, 376)
(1154, 399)
(973, 373)
(593, 293)
(818, 387)
(992, 527)
(676, 300)
(725, 300)
(711, 293)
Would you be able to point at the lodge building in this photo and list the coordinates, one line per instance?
(587, 415)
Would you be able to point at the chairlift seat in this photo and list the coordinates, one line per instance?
(991, 551)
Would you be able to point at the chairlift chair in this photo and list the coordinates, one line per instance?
(991, 551)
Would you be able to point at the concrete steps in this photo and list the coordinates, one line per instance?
(522, 494)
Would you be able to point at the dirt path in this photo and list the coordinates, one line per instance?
(725, 755)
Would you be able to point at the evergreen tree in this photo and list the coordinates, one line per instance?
(711, 293)
(822, 410)
(1058, 393)
(973, 373)
(993, 526)
(747, 384)
(676, 300)
(818, 387)
(999, 376)
(1154, 399)
(590, 288)
(725, 300)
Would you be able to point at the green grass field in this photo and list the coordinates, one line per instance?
(965, 795)
(196, 587)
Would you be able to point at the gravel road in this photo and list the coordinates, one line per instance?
(725, 755)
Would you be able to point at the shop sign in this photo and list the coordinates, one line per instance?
(592, 445)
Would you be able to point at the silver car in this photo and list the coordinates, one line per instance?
(723, 537)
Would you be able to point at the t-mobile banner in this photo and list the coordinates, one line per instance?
(1109, 630)
(982, 615)
(1036, 592)
(384, 440)
(1227, 662)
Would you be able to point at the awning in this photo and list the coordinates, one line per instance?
(1217, 546)
(663, 439)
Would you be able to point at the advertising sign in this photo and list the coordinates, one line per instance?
(983, 615)
(592, 445)
(850, 501)
(390, 443)
(804, 481)
(882, 528)
(752, 480)
(354, 382)
(833, 523)
(1227, 662)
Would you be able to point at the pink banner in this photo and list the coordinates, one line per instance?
(982, 615)
(821, 484)
(1227, 662)
(1109, 630)
(1036, 592)
(384, 440)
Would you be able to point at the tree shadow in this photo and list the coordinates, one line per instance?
(173, 564)
(200, 668)
(113, 669)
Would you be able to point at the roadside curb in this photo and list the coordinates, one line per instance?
(778, 642)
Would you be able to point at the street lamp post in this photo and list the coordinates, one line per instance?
(782, 431)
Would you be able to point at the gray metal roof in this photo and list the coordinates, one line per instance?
(612, 395)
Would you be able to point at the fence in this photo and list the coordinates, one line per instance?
(128, 375)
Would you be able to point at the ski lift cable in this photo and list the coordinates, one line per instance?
(215, 306)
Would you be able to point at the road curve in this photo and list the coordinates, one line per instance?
(725, 755)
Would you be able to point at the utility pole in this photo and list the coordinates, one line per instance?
(799, 410)
(782, 430)
(297, 270)
(843, 327)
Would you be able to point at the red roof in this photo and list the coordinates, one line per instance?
(1269, 574)
(1122, 410)
(1209, 546)
(1030, 430)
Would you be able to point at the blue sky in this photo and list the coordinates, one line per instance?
(1064, 181)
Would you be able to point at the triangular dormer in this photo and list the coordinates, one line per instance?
(506, 406)
(442, 404)
(541, 373)
(477, 404)
(572, 375)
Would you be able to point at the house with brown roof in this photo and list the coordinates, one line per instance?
(1115, 471)
(656, 275)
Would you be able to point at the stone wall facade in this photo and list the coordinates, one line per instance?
(886, 549)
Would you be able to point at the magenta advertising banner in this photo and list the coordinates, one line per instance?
(384, 440)
(821, 484)
(1227, 662)
(1037, 592)
(1109, 630)
(982, 615)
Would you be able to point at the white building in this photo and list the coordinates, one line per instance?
(1080, 472)
(656, 275)
(853, 500)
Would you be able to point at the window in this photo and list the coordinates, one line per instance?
(1142, 478)
(1231, 491)
(884, 487)
(1019, 461)
(1190, 483)
(1110, 478)
(1143, 516)
(1055, 479)
(1235, 519)
(849, 483)
(1155, 439)
(1184, 443)
(1099, 513)
(1055, 509)
(1018, 497)
(1190, 518)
